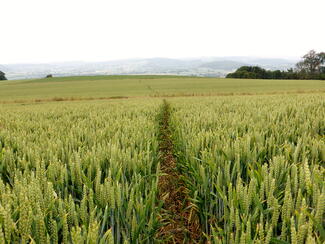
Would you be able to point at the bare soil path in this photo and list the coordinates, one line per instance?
(181, 224)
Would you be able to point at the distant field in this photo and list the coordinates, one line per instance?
(137, 86)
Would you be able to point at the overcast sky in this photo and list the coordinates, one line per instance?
(98, 30)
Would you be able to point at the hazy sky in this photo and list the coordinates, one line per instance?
(94, 30)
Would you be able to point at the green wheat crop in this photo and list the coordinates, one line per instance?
(254, 166)
(78, 172)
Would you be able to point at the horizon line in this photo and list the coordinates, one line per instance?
(289, 58)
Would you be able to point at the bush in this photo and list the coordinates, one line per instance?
(2, 76)
(255, 72)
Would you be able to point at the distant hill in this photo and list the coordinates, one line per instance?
(205, 66)
(223, 65)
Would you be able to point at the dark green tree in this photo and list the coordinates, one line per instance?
(249, 72)
(2, 76)
(312, 62)
(311, 67)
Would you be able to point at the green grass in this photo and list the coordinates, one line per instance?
(137, 86)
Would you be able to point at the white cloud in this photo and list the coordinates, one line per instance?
(63, 30)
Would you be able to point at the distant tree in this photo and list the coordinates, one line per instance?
(277, 74)
(322, 60)
(312, 62)
(312, 67)
(2, 76)
(253, 72)
(249, 72)
(49, 76)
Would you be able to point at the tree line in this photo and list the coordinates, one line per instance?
(311, 67)
(2, 76)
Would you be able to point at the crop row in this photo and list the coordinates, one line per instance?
(254, 166)
(78, 172)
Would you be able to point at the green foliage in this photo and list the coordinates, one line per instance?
(254, 72)
(2, 76)
(312, 62)
(312, 67)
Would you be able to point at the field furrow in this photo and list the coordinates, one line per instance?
(180, 223)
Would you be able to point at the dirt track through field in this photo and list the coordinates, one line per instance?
(180, 221)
